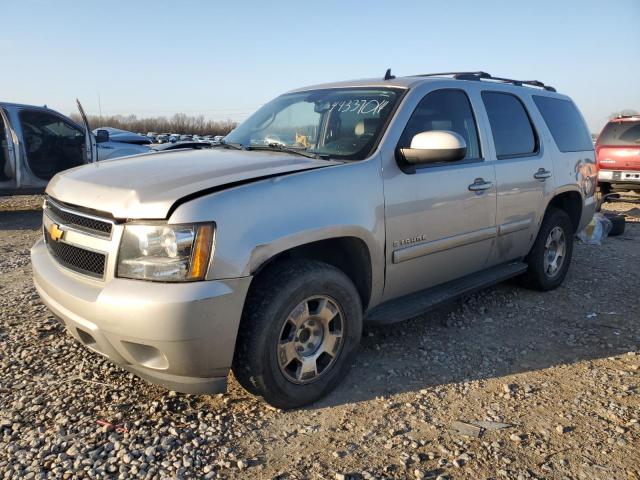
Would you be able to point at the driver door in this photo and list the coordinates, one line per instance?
(440, 217)
(9, 171)
(90, 144)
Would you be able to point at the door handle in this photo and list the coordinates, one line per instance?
(542, 174)
(479, 185)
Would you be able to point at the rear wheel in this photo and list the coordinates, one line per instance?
(549, 258)
(299, 333)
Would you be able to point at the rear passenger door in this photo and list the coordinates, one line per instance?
(523, 174)
(439, 218)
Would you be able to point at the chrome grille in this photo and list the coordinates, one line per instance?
(77, 220)
(76, 258)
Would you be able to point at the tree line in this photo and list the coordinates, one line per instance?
(178, 123)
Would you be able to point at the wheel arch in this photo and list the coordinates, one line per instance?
(571, 202)
(348, 253)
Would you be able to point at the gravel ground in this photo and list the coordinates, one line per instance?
(555, 377)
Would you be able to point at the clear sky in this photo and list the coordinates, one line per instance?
(224, 59)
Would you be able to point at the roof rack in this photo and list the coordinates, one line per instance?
(487, 76)
(626, 115)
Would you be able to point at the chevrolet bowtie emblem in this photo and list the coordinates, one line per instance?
(55, 232)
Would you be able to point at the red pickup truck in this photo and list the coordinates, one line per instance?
(618, 154)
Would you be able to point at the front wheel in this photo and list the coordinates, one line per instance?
(549, 258)
(299, 333)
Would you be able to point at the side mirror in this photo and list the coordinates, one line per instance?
(435, 146)
(102, 136)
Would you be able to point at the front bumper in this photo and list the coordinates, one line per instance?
(619, 176)
(178, 335)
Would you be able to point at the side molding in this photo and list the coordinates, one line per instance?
(415, 251)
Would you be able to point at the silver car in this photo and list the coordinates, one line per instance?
(333, 205)
(36, 143)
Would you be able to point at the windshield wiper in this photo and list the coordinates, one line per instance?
(235, 146)
(276, 147)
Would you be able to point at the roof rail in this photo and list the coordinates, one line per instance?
(626, 115)
(487, 76)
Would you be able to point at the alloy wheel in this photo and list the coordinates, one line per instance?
(311, 339)
(555, 249)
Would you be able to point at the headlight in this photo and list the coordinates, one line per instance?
(165, 253)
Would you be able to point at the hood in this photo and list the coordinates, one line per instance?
(146, 186)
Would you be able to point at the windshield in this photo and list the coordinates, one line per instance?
(620, 133)
(344, 123)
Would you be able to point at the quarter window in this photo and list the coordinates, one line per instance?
(444, 110)
(565, 124)
(513, 134)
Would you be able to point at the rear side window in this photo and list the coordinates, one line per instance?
(620, 134)
(565, 123)
(511, 127)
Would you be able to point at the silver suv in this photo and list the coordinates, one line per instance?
(333, 205)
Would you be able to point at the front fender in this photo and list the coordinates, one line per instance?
(263, 253)
(259, 220)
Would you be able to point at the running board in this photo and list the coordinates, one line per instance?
(417, 303)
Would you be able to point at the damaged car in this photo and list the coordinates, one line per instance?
(333, 205)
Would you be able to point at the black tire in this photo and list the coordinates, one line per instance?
(618, 222)
(605, 189)
(536, 277)
(273, 296)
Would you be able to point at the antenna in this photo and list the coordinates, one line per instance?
(388, 76)
(100, 107)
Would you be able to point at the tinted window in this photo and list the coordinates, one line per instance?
(620, 133)
(52, 144)
(444, 110)
(565, 123)
(512, 132)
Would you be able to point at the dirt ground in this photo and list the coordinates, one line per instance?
(554, 376)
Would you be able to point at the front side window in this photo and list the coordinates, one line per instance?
(343, 123)
(51, 144)
(565, 124)
(448, 110)
(619, 134)
(511, 127)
